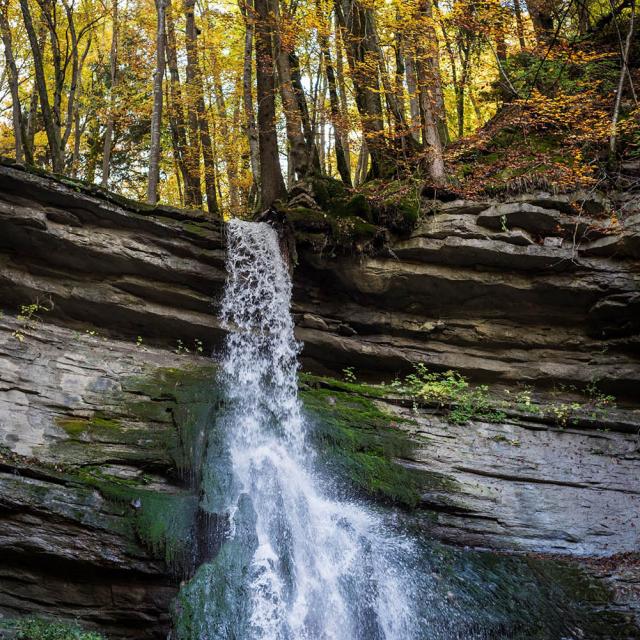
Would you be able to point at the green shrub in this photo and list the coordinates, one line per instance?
(452, 392)
(39, 629)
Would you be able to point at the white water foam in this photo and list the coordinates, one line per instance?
(324, 568)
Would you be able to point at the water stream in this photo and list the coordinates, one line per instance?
(299, 561)
(322, 568)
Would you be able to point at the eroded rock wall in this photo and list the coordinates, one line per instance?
(105, 393)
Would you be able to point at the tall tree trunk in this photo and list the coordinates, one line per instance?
(414, 98)
(113, 78)
(356, 22)
(230, 166)
(192, 150)
(50, 125)
(22, 150)
(74, 58)
(272, 185)
(336, 117)
(623, 73)
(156, 115)
(187, 163)
(77, 130)
(519, 25)
(400, 64)
(427, 74)
(32, 114)
(465, 50)
(293, 119)
(197, 90)
(307, 128)
(247, 92)
(342, 93)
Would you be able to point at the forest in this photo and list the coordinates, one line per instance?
(224, 105)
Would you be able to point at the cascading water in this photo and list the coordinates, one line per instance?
(298, 561)
(322, 568)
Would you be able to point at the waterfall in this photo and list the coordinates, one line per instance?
(322, 567)
(289, 557)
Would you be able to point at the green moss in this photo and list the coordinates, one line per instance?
(218, 596)
(186, 399)
(328, 192)
(357, 206)
(360, 443)
(73, 426)
(370, 390)
(307, 220)
(201, 229)
(162, 522)
(40, 629)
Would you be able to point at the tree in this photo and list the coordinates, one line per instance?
(22, 149)
(156, 115)
(272, 185)
(198, 120)
(113, 78)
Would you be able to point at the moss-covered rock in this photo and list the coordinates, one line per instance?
(360, 444)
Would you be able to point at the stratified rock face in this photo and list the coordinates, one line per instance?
(530, 486)
(511, 292)
(69, 420)
(115, 266)
(94, 420)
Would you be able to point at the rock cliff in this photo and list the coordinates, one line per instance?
(105, 393)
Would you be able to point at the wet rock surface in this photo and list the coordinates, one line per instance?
(123, 292)
(78, 424)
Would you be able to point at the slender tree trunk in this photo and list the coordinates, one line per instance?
(307, 128)
(247, 93)
(427, 73)
(272, 185)
(192, 150)
(74, 58)
(400, 65)
(461, 86)
(232, 177)
(77, 130)
(356, 22)
(336, 117)
(32, 120)
(414, 99)
(186, 163)
(519, 25)
(32, 115)
(51, 128)
(342, 93)
(290, 106)
(623, 73)
(113, 77)
(22, 150)
(197, 95)
(156, 115)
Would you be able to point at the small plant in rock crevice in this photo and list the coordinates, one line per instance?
(452, 392)
(182, 348)
(349, 375)
(597, 404)
(29, 318)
